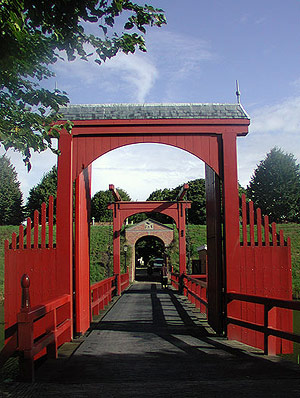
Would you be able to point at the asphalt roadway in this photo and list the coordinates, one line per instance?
(153, 343)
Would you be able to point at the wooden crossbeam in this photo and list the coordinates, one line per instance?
(182, 192)
(115, 193)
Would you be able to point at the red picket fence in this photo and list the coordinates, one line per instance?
(33, 253)
(265, 271)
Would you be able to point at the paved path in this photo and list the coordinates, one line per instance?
(152, 344)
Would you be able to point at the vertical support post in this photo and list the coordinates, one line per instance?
(266, 324)
(181, 237)
(64, 218)
(25, 334)
(82, 250)
(232, 232)
(116, 245)
(214, 249)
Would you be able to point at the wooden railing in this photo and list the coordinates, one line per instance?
(194, 287)
(268, 304)
(175, 280)
(102, 292)
(39, 328)
(124, 281)
(195, 290)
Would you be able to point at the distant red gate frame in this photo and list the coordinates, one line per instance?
(123, 209)
(211, 140)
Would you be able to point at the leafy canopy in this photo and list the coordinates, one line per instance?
(100, 201)
(11, 211)
(196, 193)
(275, 186)
(40, 193)
(34, 34)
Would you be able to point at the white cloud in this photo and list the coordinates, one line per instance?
(179, 58)
(142, 168)
(131, 76)
(137, 70)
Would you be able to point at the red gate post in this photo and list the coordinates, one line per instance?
(64, 218)
(232, 231)
(82, 250)
(116, 245)
(181, 237)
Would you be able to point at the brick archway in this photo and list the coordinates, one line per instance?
(143, 229)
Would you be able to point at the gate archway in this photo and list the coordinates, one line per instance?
(144, 229)
(208, 131)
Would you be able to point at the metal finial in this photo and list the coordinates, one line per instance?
(238, 93)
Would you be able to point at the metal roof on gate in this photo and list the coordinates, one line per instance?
(152, 111)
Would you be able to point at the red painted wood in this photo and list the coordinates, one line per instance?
(50, 222)
(274, 234)
(36, 229)
(21, 237)
(259, 290)
(232, 233)
(82, 258)
(251, 219)
(281, 238)
(64, 217)
(103, 144)
(14, 240)
(214, 250)
(265, 273)
(43, 223)
(244, 220)
(161, 122)
(259, 230)
(28, 234)
(267, 231)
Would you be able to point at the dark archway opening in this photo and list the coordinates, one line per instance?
(147, 249)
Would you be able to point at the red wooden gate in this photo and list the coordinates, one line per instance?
(34, 253)
(264, 270)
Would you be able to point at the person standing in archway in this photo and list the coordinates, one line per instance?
(164, 276)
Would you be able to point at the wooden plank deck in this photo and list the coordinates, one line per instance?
(153, 343)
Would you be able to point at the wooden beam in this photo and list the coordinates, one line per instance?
(115, 193)
(182, 192)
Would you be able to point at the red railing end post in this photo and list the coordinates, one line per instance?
(25, 284)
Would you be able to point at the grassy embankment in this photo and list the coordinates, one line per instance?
(101, 245)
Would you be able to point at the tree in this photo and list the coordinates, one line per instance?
(275, 186)
(11, 211)
(100, 201)
(34, 34)
(195, 193)
(40, 193)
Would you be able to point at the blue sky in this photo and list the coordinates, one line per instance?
(197, 57)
